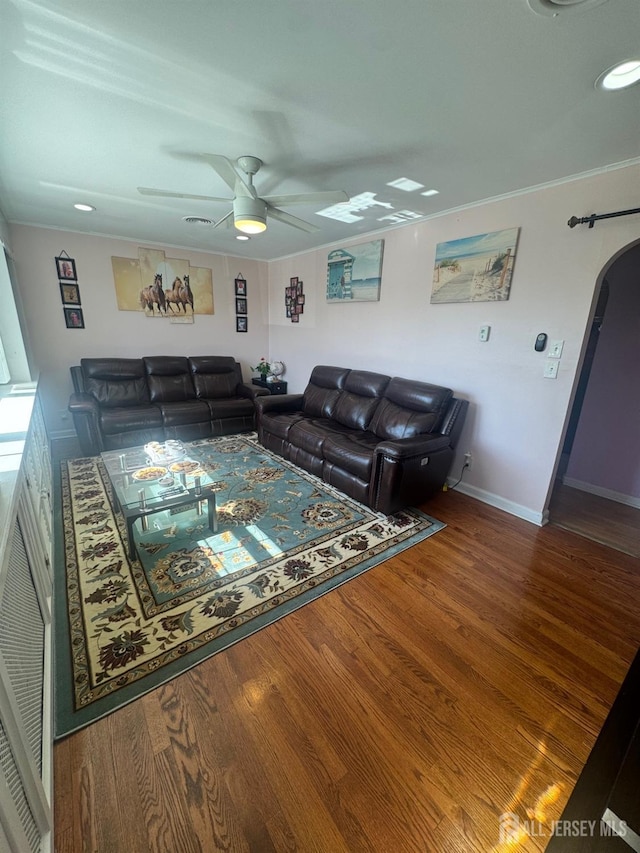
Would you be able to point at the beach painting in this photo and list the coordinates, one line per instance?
(355, 274)
(475, 269)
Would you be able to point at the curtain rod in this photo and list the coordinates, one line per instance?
(595, 216)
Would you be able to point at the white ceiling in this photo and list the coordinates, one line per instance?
(475, 98)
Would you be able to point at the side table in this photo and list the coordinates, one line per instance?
(273, 387)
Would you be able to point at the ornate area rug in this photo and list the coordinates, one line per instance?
(124, 627)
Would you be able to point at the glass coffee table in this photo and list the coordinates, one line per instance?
(158, 477)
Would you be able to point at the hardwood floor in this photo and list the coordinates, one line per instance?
(405, 711)
(614, 524)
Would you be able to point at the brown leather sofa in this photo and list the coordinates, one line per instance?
(387, 442)
(123, 402)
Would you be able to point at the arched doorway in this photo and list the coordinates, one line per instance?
(597, 487)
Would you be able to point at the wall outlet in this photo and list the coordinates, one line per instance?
(467, 460)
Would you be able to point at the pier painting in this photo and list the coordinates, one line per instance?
(475, 269)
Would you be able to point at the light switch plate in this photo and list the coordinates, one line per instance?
(485, 331)
(555, 350)
(551, 369)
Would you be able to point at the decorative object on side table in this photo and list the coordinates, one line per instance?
(269, 376)
(263, 368)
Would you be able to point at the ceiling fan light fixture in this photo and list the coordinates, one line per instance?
(250, 215)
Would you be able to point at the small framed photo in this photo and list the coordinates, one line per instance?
(241, 287)
(294, 281)
(74, 318)
(242, 324)
(295, 318)
(70, 293)
(66, 268)
(241, 305)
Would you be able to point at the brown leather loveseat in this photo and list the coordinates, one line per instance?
(387, 442)
(123, 402)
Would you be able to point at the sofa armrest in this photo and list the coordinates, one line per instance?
(402, 449)
(279, 403)
(86, 412)
(243, 389)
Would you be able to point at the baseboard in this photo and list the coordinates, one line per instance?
(620, 498)
(538, 518)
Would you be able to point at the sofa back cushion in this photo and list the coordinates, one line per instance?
(215, 377)
(168, 378)
(410, 408)
(323, 391)
(359, 398)
(115, 382)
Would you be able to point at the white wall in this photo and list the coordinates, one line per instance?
(109, 331)
(517, 417)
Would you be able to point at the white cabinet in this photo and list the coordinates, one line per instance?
(25, 649)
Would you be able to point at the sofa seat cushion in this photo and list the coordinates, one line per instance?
(235, 407)
(128, 418)
(353, 452)
(309, 434)
(185, 412)
(279, 423)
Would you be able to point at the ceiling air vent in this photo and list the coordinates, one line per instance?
(554, 8)
(197, 220)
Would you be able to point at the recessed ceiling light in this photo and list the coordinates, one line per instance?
(621, 76)
(87, 208)
(242, 237)
(430, 192)
(405, 184)
(553, 8)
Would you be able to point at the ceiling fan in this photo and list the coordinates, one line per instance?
(249, 211)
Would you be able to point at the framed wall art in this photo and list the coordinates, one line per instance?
(242, 324)
(66, 268)
(74, 318)
(475, 269)
(355, 274)
(70, 293)
(294, 299)
(241, 305)
(241, 286)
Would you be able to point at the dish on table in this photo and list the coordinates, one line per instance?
(153, 472)
(186, 466)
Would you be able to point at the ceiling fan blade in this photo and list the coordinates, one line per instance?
(224, 219)
(324, 197)
(169, 194)
(229, 174)
(288, 219)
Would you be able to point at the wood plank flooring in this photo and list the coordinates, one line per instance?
(609, 522)
(405, 711)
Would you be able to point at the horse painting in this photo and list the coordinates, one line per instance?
(172, 295)
(180, 294)
(186, 296)
(154, 295)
